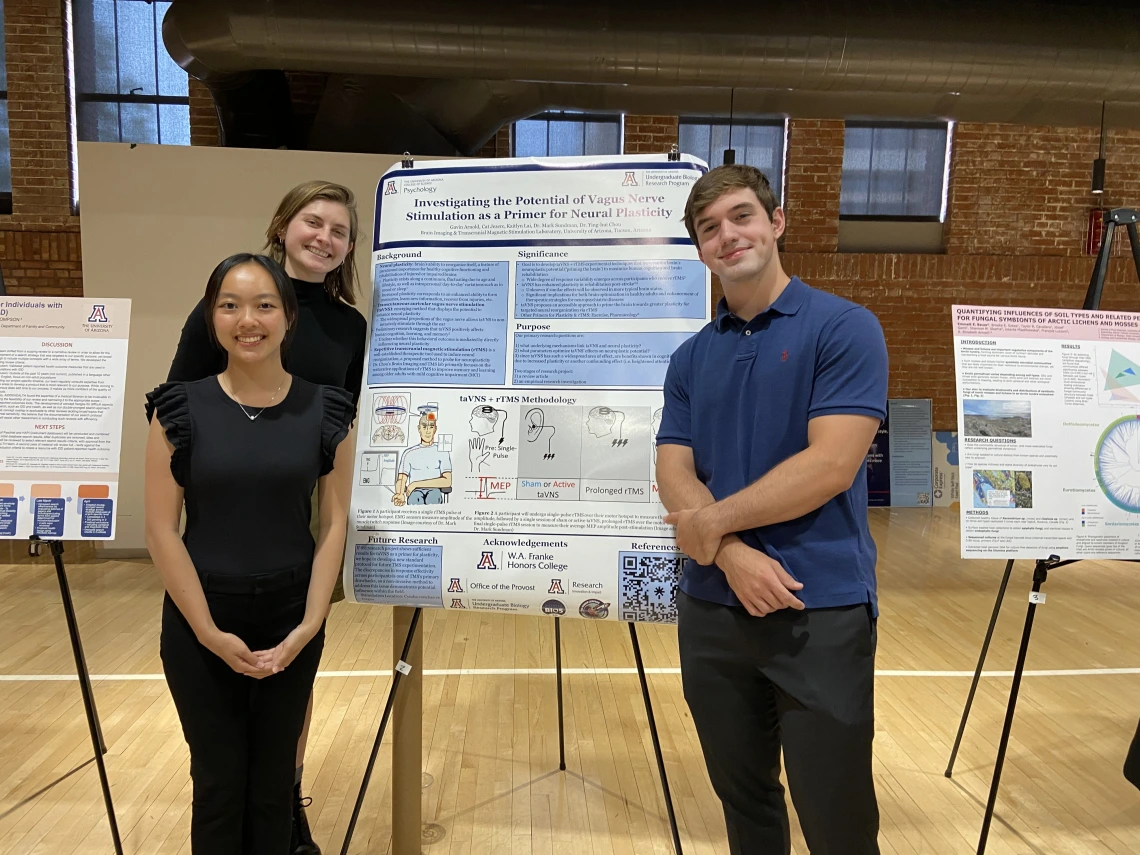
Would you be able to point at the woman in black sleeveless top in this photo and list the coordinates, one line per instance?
(247, 588)
(312, 235)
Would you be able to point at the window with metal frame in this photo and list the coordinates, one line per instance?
(128, 89)
(757, 142)
(895, 170)
(565, 134)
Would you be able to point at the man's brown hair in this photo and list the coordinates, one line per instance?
(716, 182)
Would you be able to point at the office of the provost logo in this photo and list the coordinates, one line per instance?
(390, 189)
(487, 562)
(98, 315)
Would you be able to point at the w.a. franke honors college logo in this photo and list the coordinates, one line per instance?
(487, 562)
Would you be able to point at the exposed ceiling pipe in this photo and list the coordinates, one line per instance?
(460, 70)
(1030, 49)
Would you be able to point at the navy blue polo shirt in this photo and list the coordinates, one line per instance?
(741, 394)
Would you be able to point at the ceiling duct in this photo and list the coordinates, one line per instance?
(464, 68)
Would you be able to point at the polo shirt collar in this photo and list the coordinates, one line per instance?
(788, 303)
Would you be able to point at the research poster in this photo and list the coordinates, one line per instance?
(944, 455)
(524, 315)
(63, 368)
(1048, 432)
(899, 473)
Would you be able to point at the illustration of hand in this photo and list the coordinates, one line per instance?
(477, 453)
(399, 499)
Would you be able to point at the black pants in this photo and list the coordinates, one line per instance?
(800, 680)
(242, 732)
(1132, 761)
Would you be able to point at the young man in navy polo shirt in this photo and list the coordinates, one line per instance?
(769, 413)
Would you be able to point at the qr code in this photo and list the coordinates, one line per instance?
(647, 589)
(924, 498)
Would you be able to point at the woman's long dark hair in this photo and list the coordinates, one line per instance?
(280, 279)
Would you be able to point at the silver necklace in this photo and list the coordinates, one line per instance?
(233, 397)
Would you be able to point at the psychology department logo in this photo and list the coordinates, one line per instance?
(455, 587)
(390, 189)
(98, 315)
(556, 587)
(630, 180)
(594, 608)
(487, 562)
(553, 607)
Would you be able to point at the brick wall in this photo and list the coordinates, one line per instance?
(499, 145)
(995, 254)
(1018, 208)
(650, 134)
(39, 241)
(814, 169)
(204, 128)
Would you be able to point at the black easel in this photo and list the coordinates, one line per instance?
(1119, 217)
(648, 714)
(401, 669)
(97, 742)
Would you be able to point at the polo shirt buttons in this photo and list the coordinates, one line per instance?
(748, 332)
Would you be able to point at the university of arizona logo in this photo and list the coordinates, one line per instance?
(455, 587)
(630, 180)
(556, 587)
(487, 562)
(390, 188)
(457, 603)
(98, 315)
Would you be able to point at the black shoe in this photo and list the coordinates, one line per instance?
(302, 843)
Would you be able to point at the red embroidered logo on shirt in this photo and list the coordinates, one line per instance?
(784, 356)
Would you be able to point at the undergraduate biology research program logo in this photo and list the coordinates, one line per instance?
(630, 180)
(98, 314)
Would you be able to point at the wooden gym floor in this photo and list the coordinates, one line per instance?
(491, 782)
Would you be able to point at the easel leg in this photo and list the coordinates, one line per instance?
(85, 687)
(656, 740)
(380, 732)
(558, 669)
(1040, 574)
(978, 670)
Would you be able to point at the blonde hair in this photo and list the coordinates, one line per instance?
(340, 284)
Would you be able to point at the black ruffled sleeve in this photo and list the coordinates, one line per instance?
(172, 405)
(337, 420)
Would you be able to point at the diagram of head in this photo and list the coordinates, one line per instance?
(602, 421)
(485, 419)
(428, 423)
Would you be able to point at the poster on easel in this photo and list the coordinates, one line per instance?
(899, 472)
(525, 311)
(63, 368)
(1049, 432)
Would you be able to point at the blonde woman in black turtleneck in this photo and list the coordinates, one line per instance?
(312, 235)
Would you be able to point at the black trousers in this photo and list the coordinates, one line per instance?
(242, 732)
(1132, 761)
(802, 681)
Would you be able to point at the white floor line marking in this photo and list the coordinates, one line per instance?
(571, 672)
